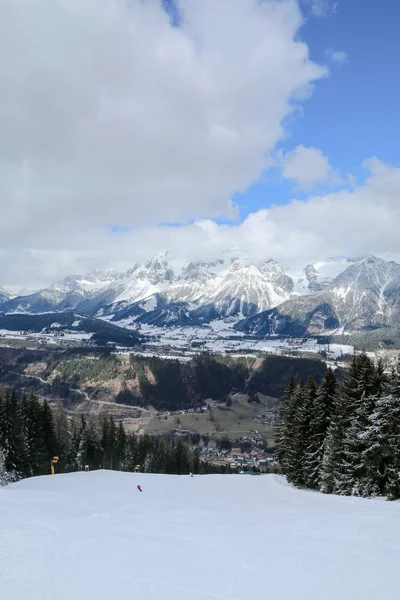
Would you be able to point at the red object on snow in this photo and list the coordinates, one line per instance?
(139, 488)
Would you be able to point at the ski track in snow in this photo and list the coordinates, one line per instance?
(88, 536)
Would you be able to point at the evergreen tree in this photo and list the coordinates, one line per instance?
(340, 459)
(108, 442)
(284, 425)
(302, 400)
(382, 456)
(196, 461)
(130, 459)
(38, 436)
(90, 449)
(49, 436)
(6, 476)
(62, 433)
(321, 414)
(12, 435)
(32, 433)
(72, 457)
(120, 444)
(181, 459)
(368, 383)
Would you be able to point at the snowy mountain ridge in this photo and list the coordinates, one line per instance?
(336, 295)
(238, 287)
(365, 297)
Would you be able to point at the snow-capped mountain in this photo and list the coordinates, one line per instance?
(62, 295)
(166, 291)
(333, 296)
(245, 288)
(162, 293)
(364, 297)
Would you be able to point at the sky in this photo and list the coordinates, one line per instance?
(267, 128)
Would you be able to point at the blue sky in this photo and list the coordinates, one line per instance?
(353, 114)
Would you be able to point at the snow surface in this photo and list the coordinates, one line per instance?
(219, 336)
(89, 536)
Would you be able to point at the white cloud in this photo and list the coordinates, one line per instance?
(343, 223)
(307, 167)
(109, 115)
(337, 56)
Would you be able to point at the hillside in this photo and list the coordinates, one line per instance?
(93, 535)
(214, 395)
(150, 381)
(72, 325)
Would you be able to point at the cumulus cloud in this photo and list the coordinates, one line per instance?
(111, 115)
(306, 167)
(343, 223)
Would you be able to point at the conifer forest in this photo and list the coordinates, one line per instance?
(343, 439)
(32, 434)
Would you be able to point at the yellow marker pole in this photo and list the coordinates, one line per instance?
(53, 462)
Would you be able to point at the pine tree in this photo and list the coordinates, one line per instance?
(298, 424)
(356, 478)
(349, 413)
(12, 435)
(130, 459)
(181, 459)
(120, 444)
(108, 442)
(284, 424)
(49, 436)
(90, 449)
(62, 433)
(384, 455)
(331, 467)
(6, 476)
(321, 414)
(72, 461)
(302, 429)
(196, 461)
(38, 430)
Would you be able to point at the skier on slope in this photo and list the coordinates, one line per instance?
(139, 488)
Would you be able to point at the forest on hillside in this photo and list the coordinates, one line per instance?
(164, 384)
(32, 433)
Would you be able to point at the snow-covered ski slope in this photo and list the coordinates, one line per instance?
(93, 536)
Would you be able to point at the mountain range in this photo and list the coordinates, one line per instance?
(364, 298)
(341, 296)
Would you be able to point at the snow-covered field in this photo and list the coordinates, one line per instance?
(93, 536)
(219, 336)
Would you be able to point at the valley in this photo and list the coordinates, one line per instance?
(197, 351)
(207, 400)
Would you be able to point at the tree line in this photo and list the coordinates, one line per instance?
(343, 439)
(32, 433)
(179, 385)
